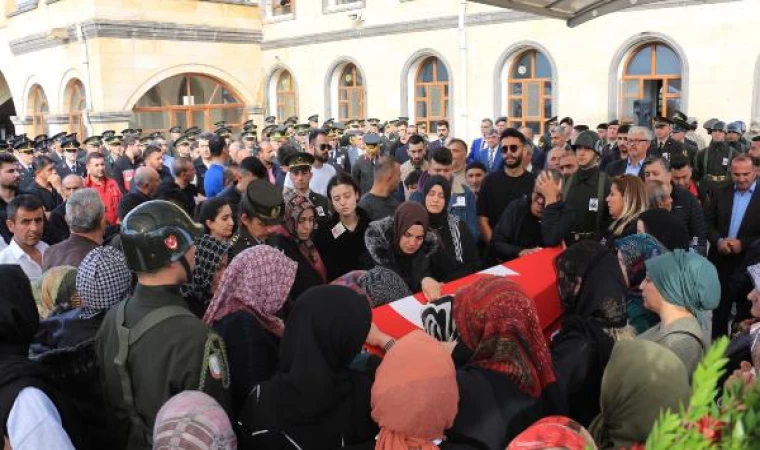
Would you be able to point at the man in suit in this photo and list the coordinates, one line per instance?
(733, 223)
(479, 143)
(491, 156)
(70, 163)
(443, 130)
(663, 145)
(638, 142)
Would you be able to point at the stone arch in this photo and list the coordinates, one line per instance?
(331, 85)
(408, 77)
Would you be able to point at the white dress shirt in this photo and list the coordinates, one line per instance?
(13, 254)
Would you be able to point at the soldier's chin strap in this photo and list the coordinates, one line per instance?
(186, 266)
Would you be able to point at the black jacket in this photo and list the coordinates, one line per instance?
(457, 254)
(346, 251)
(670, 148)
(556, 223)
(580, 189)
(63, 169)
(689, 212)
(618, 167)
(306, 275)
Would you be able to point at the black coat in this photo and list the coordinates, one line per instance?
(306, 275)
(670, 148)
(618, 167)
(689, 212)
(556, 223)
(457, 254)
(347, 251)
(63, 169)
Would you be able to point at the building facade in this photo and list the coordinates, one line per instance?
(89, 65)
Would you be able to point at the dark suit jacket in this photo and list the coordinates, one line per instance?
(63, 169)
(618, 167)
(718, 217)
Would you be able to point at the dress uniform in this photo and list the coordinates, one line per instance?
(363, 170)
(174, 131)
(65, 168)
(150, 347)
(712, 165)
(55, 147)
(23, 145)
(669, 147)
(263, 201)
(338, 156)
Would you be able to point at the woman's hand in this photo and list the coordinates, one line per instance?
(431, 289)
(377, 338)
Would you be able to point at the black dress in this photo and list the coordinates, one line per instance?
(306, 276)
(346, 251)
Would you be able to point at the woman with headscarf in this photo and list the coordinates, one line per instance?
(315, 401)
(244, 311)
(415, 394)
(593, 296)
(404, 244)
(508, 382)
(457, 254)
(665, 227)
(641, 380)
(294, 238)
(55, 291)
(211, 259)
(192, 419)
(627, 199)
(32, 412)
(633, 252)
(680, 287)
(65, 342)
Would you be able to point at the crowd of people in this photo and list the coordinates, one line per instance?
(214, 290)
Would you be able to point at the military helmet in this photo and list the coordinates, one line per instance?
(155, 234)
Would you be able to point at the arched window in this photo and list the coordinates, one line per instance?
(651, 83)
(76, 102)
(188, 100)
(286, 96)
(350, 94)
(529, 87)
(431, 92)
(38, 110)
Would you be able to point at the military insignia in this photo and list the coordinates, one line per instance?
(171, 242)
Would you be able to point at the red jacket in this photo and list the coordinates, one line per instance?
(110, 194)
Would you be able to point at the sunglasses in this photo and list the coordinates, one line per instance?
(511, 148)
(324, 147)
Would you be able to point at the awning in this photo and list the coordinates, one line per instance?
(574, 12)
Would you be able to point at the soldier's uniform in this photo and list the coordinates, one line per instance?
(712, 165)
(25, 146)
(263, 201)
(299, 161)
(150, 347)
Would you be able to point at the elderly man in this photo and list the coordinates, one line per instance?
(57, 228)
(553, 158)
(85, 215)
(685, 208)
(146, 181)
(568, 163)
(639, 140)
(491, 156)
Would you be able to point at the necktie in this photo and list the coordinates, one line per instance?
(490, 157)
(660, 147)
(73, 169)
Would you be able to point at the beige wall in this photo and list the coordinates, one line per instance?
(719, 55)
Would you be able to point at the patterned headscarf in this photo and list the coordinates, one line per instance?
(257, 281)
(636, 249)
(383, 286)
(192, 419)
(554, 432)
(499, 324)
(295, 205)
(414, 399)
(103, 280)
(209, 253)
(55, 292)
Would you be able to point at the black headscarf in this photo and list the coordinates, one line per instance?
(325, 331)
(439, 220)
(666, 228)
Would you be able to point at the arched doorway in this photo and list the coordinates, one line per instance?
(188, 100)
(529, 87)
(431, 92)
(76, 102)
(651, 83)
(37, 110)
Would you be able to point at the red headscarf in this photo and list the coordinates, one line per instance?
(553, 432)
(499, 323)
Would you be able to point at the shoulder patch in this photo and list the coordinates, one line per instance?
(215, 364)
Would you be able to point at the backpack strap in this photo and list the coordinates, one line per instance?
(128, 337)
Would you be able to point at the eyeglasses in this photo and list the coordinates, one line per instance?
(511, 148)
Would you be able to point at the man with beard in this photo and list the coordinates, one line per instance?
(416, 151)
(153, 157)
(320, 172)
(9, 186)
(124, 167)
(267, 156)
(585, 191)
(443, 130)
(106, 188)
(712, 165)
(501, 187)
(619, 151)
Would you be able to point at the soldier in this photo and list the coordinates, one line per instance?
(261, 209)
(313, 121)
(55, 147)
(679, 135)
(663, 145)
(24, 153)
(150, 346)
(712, 165)
(70, 163)
(338, 155)
(300, 174)
(734, 137)
(363, 170)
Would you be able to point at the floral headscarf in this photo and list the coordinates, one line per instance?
(55, 292)
(295, 205)
(209, 253)
(499, 324)
(257, 281)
